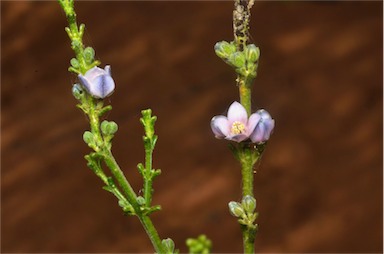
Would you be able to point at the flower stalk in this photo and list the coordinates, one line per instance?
(97, 84)
(248, 132)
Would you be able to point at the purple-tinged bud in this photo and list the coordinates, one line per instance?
(98, 82)
(264, 127)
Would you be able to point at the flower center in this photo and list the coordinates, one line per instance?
(237, 128)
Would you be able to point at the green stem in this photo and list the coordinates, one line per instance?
(247, 172)
(75, 33)
(148, 179)
(245, 92)
(131, 197)
(241, 18)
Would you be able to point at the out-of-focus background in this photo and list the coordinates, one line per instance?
(318, 186)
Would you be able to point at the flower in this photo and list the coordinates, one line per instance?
(236, 126)
(264, 127)
(98, 82)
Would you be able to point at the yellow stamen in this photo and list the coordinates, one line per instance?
(237, 128)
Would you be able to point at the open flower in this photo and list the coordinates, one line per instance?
(236, 126)
(98, 82)
(264, 127)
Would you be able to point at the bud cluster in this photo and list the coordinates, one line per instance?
(245, 211)
(245, 62)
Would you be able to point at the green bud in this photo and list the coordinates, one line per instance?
(76, 44)
(89, 55)
(224, 49)
(140, 200)
(88, 138)
(77, 91)
(168, 244)
(249, 204)
(253, 53)
(235, 209)
(237, 59)
(108, 128)
(75, 64)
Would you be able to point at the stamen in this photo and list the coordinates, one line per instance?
(237, 128)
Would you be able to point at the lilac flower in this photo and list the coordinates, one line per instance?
(236, 126)
(263, 128)
(98, 82)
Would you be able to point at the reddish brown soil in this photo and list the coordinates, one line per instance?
(319, 185)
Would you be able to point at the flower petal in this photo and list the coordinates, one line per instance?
(220, 126)
(93, 73)
(264, 114)
(102, 86)
(237, 138)
(252, 122)
(107, 69)
(237, 112)
(269, 125)
(258, 134)
(84, 81)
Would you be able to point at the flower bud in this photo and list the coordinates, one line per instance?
(75, 64)
(140, 200)
(237, 59)
(235, 209)
(89, 55)
(88, 138)
(77, 91)
(108, 128)
(224, 49)
(249, 204)
(98, 82)
(253, 53)
(169, 245)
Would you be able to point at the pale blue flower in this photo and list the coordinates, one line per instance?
(236, 126)
(98, 82)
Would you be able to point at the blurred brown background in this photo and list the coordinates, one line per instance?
(319, 185)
